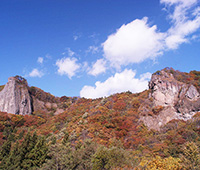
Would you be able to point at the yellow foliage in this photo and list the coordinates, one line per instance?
(159, 163)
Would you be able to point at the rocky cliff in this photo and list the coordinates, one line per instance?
(170, 97)
(175, 99)
(15, 97)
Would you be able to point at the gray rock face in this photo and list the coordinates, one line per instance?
(15, 98)
(167, 91)
(192, 93)
(164, 89)
(179, 100)
(155, 122)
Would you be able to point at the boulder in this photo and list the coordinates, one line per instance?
(192, 93)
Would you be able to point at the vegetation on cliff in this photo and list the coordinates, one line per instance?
(104, 133)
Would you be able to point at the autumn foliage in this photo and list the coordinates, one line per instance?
(104, 133)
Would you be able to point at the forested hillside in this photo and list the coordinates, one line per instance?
(104, 133)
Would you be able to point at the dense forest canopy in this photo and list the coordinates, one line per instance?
(104, 133)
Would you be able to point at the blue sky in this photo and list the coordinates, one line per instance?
(94, 48)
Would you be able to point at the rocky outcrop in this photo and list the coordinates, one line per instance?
(179, 100)
(167, 91)
(15, 97)
(164, 89)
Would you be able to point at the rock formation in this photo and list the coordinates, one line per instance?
(178, 100)
(168, 99)
(15, 97)
(167, 91)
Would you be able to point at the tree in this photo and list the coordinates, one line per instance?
(14, 159)
(158, 163)
(190, 156)
(5, 149)
(38, 154)
(57, 157)
(32, 153)
(4, 153)
(108, 158)
(63, 156)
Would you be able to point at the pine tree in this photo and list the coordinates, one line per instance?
(5, 149)
(38, 154)
(14, 159)
(31, 154)
(4, 153)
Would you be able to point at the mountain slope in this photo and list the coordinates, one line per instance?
(95, 130)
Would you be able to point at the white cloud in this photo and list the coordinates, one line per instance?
(69, 52)
(75, 37)
(137, 41)
(48, 56)
(92, 49)
(67, 66)
(173, 41)
(36, 73)
(94, 35)
(133, 43)
(185, 21)
(120, 82)
(195, 37)
(85, 66)
(40, 60)
(98, 67)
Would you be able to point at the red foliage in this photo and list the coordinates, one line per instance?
(4, 116)
(33, 120)
(1, 138)
(119, 105)
(1, 127)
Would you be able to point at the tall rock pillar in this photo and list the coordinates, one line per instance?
(15, 97)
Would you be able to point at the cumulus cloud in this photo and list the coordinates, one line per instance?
(36, 73)
(133, 43)
(67, 66)
(138, 41)
(98, 67)
(120, 82)
(40, 60)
